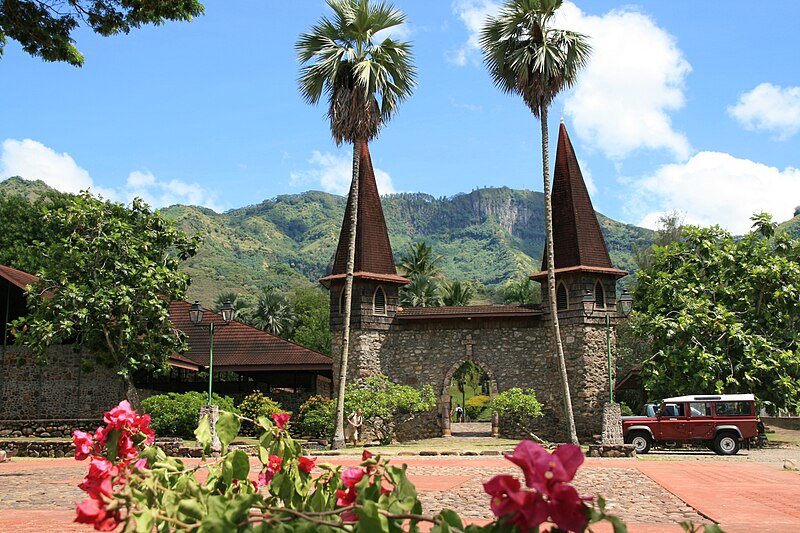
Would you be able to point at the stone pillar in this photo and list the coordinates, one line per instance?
(213, 415)
(495, 425)
(446, 432)
(612, 424)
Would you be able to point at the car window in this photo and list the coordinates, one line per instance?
(672, 409)
(733, 408)
(700, 408)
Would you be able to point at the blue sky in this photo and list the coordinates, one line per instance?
(688, 106)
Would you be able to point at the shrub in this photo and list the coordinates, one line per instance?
(625, 410)
(518, 408)
(176, 415)
(254, 405)
(386, 404)
(475, 406)
(315, 418)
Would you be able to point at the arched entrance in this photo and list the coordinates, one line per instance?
(445, 396)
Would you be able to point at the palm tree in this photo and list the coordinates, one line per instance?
(456, 293)
(521, 291)
(274, 313)
(419, 261)
(423, 291)
(525, 56)
(365, 82)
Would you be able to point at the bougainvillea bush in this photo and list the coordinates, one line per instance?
(133, 485)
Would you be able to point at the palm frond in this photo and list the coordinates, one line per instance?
(363, 80)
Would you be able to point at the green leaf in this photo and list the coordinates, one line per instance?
(240, 464)
(144, 521)
(203, 434)
(227, 428)
(370, 519)
(192, 508)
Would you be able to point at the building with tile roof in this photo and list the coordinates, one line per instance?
(512, 344)
(245, 358)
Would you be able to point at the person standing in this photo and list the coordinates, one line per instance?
(355, 422)
(459, 413)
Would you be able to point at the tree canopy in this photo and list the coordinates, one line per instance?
(106, 282)
(722, 315)
(44, 27)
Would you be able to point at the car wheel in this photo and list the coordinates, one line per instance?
(641, 442)
(726, 444)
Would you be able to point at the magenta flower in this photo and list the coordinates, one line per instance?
(83, 444)
(351, 476)
(281, 419)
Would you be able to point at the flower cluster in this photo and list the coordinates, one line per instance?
(547, 494)
(114, 449)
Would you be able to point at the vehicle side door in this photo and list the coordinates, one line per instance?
(673, 423)
(701, 423)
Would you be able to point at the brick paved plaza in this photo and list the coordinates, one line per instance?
(747, 493)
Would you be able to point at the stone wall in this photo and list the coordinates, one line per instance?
(515, 352)
(32, 448)
(61, 389)
(46, 428)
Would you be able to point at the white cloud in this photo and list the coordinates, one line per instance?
(398, 33)
(333, 174)
(33, 160)
(473, 14)
(634, 78)
(769, 108)
(716, 188)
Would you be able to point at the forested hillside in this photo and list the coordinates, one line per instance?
(489, 236)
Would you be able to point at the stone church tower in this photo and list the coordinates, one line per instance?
(375, 279)
(513, 344)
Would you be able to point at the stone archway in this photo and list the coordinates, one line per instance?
(444, 397)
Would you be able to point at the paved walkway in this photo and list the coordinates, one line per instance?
(652, 496)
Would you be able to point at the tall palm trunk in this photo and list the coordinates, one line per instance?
(338, 434)
(551, 274)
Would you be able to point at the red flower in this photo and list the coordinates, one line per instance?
(351, 476)
(83, 444)
(366, 454)
(346, 497)
(95, 512)
(98, 481)
(306, 464)
(122, 416)
(273, 466)
(281, 419)
(567, 509)
(544, 470)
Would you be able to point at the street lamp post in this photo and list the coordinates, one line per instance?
(196, 317)
(624, 306)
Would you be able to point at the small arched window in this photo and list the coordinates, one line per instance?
(562, 302)
(379, 302)
(599, 295)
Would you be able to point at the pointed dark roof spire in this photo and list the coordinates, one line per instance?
(374, 258)
(578, 242)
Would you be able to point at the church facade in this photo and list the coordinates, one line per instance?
(512, 344)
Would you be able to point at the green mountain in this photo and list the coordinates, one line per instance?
(489, 236)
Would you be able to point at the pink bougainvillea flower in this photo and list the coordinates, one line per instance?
(274, 463)
(141, 464)
(525, 509)
(567, 509)
(544, 470)
(366, 454)
(98, 481)
(272, 467)
(83, 444)
(281, 419)
(306, 464)
(346, 497)
(122, 416)
(95, 512)
(351, 476)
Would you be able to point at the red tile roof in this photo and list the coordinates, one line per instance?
(239, 347)
(17, 277)
(577, 238)
(365, 275)
(373, 251)
(541, 275)
(470, 311)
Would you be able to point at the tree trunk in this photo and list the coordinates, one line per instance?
(338, 434)
(551, 276)
(132, 394)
